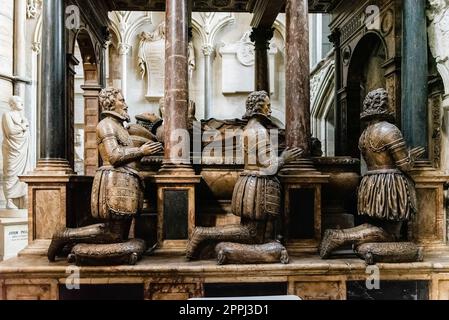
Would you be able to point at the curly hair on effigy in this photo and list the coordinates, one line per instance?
(108, 97)
(376, 105)
(254, 103)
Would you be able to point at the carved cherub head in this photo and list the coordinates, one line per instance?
(16, 103)
(112, 101)
(258, 103)
(375, 106)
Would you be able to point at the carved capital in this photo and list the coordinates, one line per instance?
(208, 50)
(33, 8)
(334, 37)
(123, 49)
(261, 37)
(36, 47)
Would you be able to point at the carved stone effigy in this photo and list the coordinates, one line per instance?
(256, 198)
(117, 194)
(386, 196)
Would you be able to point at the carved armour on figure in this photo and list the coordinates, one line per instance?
(117, 193)
(257, 193)
(386, 195)
(385, 192)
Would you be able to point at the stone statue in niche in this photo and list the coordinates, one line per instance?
(386, 196)
(152, 61)
(117, 194)
(256, 198)
(15, 148)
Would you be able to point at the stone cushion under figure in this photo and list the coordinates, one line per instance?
(386, 194)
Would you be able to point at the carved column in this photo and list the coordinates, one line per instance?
(297, 84)
(335, 39)
(414, 74)
(176, 180)
(53, 115)
(123, 50)
(50, 185)
(208, 52)
(302, 182)
(261, 37)
(20, 46)
(176, 80)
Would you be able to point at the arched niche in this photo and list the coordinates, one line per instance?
(365, 73)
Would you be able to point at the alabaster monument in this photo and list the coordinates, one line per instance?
(256, 198)
(117, 194)
(15, 148)
(386, 196)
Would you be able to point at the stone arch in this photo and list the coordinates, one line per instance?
(365, 73)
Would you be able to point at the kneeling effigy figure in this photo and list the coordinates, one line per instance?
(256, 198)
(386, 196)
(117, 194)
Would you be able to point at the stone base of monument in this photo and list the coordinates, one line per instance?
(161, 277)
(13, 232)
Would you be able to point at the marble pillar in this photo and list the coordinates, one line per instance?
(123, 51)
(176, 182)
(297, 86)
(176, 86)
(208, 52)
(302, 183)
(414, 74)
(54, 114)
(20, 46)
(261, 37)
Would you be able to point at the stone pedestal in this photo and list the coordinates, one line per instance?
(13, 232)
(339, 202)
(429, 227)
(176, 211)
(54, 202)
(302, 211)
